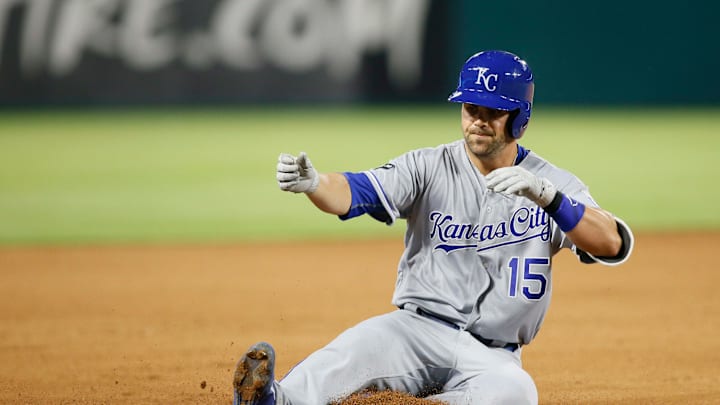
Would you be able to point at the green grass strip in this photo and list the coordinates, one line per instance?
(208, 175)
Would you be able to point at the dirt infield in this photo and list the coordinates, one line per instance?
(144, 325)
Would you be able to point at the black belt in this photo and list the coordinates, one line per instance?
(487, 342)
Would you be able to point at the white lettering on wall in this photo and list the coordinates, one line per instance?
(231, 27)
(295, 36)
(82, 26)
(146, 41)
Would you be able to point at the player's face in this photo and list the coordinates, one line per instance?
(484, 130)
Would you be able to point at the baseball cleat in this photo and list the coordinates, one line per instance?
(254, 376)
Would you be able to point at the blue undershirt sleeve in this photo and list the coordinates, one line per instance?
(365, 199)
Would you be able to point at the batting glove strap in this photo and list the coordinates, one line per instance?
(566, 212)
(547, 193)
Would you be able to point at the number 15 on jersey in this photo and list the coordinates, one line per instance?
(526, 275)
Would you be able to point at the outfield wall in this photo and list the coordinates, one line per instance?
(605, 52)
(109, 52)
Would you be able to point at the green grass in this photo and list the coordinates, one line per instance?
(207, 175)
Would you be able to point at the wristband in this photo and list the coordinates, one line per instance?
(565, 211)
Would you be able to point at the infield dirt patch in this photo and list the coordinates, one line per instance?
(146, 325)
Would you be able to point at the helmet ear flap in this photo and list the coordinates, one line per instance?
(510, 124)
(521, 120)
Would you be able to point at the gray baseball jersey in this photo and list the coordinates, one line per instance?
(475, 260)
(479, 259)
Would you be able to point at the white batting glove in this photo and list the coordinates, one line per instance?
(296, 174)
(518, 181)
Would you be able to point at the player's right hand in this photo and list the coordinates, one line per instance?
(296, 174)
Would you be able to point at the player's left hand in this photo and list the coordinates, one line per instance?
(518, 181)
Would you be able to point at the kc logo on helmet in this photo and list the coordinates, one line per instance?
(485, 80)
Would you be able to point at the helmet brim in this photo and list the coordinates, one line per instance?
(484, 99)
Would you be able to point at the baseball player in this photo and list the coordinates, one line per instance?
(484, 218)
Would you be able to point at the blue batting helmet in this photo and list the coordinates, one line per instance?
(499, 80)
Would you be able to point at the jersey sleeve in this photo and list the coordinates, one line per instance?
(368, 197)
(387, 192)
(403, 179)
